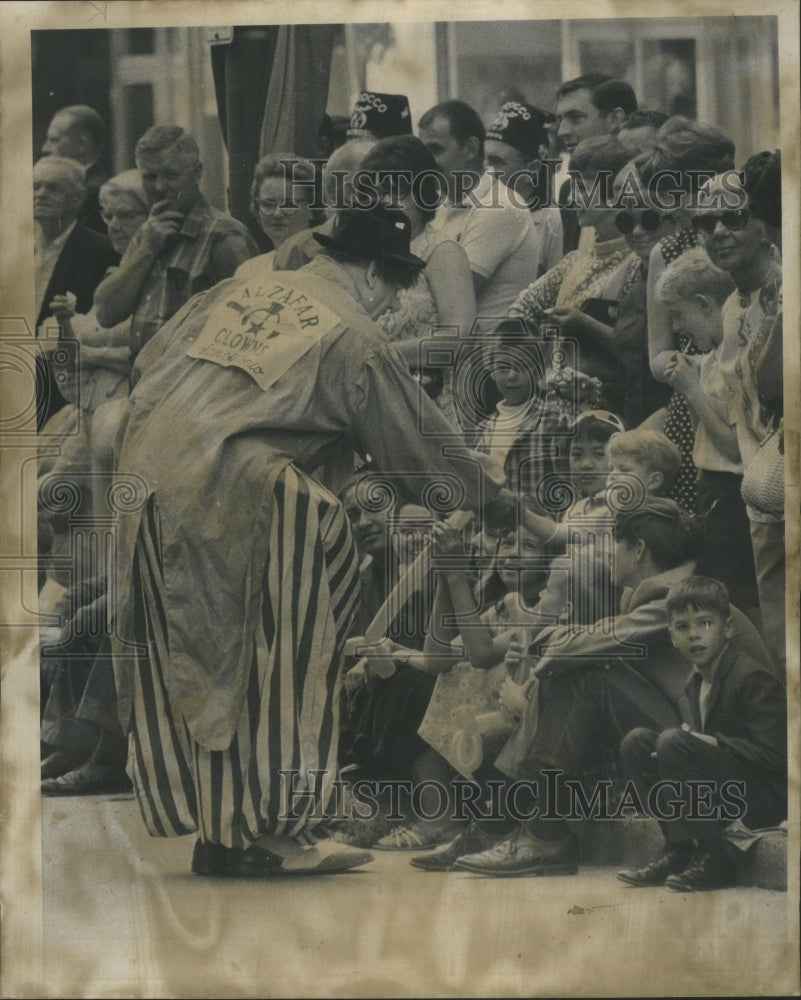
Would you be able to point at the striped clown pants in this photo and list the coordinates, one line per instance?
(290, 718)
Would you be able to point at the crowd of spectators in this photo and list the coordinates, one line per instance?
(574, 316)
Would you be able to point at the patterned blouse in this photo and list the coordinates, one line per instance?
(679, 423)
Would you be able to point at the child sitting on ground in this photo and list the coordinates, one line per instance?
(693, 291)
(734, 719)
(588, 469)
(514, 435)
(469, 659)
(642, 463)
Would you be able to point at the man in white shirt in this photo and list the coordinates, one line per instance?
(497, 236)
(588, 106)
(515, 150)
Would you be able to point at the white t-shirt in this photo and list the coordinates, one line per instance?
(500, 241)
(706, 454)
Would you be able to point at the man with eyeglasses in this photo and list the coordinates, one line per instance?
(184, 247)
(68, 257)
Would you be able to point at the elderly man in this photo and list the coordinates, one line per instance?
(184, 247)
(69, 258)
(79, 133)
(588, 106)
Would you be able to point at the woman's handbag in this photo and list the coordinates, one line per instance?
(763, 479)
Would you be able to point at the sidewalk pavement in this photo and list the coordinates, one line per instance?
(123, 917)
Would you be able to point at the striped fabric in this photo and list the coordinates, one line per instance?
(290, 718)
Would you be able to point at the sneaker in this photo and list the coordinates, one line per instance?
(670, 861)
(471, 840)
(707, 870)
(524, 854)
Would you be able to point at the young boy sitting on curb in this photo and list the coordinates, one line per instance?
(734, 730)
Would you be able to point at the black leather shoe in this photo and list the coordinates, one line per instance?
(470, 841)
(670, 861)
(254, 862)
(59, 762)
(88, 779)
(707, 870)
(209, 858)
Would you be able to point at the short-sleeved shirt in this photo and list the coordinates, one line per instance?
(500, 240)
(193, 263)
(706, 454)
(747, 322)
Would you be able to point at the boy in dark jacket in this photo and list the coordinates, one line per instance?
(728, 759)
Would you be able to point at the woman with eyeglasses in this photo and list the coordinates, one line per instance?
(736, 241)
(281, 198)
(97, 380)
(683, 148)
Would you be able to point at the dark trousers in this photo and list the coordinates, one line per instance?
(580, 714)
(728, 555)
(81, 710)
(677, 756)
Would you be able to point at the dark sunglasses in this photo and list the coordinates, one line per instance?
(648, 219)
(734, 221)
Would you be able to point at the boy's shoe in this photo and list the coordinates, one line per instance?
(524, 854)
(707, 870)
(470, 841)
(670, 861)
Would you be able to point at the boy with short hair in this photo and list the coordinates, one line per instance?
(693, 291)
(734, 731)
(646, 456)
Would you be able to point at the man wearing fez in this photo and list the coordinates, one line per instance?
(376, 116)
(515, 150)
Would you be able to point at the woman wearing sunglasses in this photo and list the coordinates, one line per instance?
(643, 228)
(580, 294)
(684, 148)
(737, 241)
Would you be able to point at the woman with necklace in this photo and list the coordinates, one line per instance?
(682, 150)
(737, 242)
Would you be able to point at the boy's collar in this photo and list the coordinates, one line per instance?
(710, 672)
